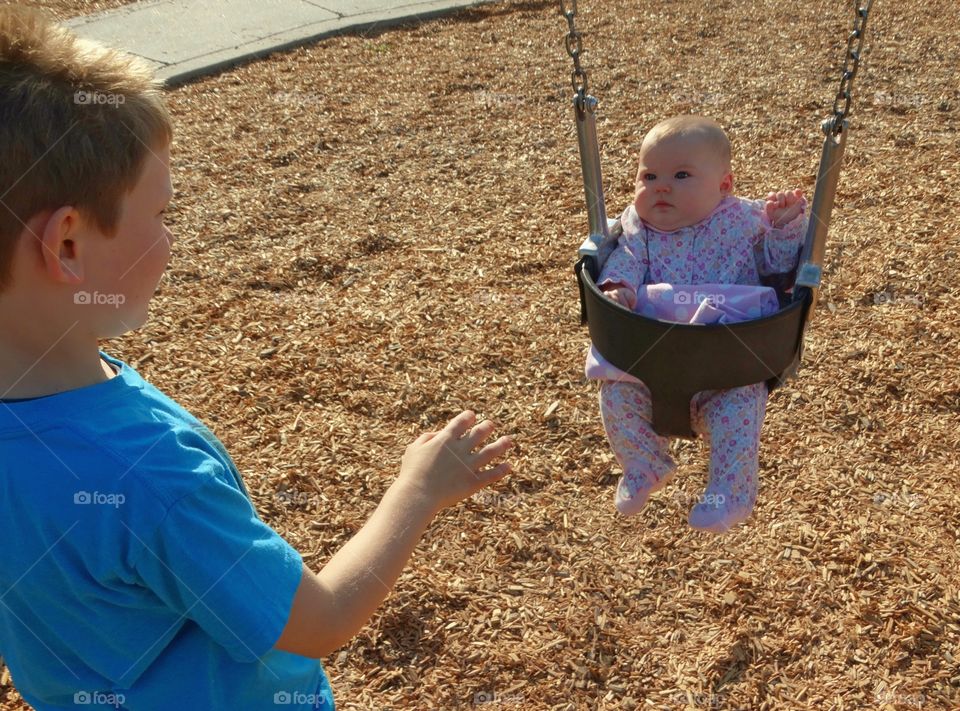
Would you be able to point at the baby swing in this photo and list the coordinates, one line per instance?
(676, 361)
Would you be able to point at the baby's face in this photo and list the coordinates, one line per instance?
(680, 182)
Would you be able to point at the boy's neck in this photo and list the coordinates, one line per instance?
(26, 375)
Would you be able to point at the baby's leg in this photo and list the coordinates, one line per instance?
(643, 454)
(731, 419)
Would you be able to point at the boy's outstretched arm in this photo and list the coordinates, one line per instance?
(439, 469)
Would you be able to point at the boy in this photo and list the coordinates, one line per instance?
(134, 571)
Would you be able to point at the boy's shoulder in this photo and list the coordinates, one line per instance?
(116, 435)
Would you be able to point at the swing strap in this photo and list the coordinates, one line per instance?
(836, 128)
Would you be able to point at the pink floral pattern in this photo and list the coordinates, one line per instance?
(735, 244)
(730, 420)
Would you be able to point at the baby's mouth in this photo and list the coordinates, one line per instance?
(661, 203)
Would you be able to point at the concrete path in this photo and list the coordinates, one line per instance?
(185, 39)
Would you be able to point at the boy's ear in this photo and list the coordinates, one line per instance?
(61, 248)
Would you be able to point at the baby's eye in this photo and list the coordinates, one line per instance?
(649, 176)
(682, 175)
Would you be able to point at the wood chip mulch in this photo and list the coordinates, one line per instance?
(378, 231)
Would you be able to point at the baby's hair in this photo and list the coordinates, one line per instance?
(76, 122)
(697, 127)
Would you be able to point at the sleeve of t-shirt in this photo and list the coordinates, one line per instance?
(213, 561)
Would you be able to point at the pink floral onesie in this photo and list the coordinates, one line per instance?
(735, 244)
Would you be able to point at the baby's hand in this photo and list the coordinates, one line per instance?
(620, 294)
(783, 207)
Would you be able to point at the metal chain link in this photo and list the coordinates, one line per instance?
(574, 44)
(851, 64)
(578, 77)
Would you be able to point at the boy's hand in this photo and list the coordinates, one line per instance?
(783, 207)
(439, 469)
(442, 468)
(621, 294)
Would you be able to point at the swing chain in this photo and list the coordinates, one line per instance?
(574, 43)
(850, 66)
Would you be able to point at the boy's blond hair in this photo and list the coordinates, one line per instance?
(76, 122)
(696, 127)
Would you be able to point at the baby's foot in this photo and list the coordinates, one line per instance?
(719, 511)
(633, 491)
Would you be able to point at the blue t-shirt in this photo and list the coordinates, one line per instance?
(134, 570)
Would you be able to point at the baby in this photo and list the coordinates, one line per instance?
(686, 227)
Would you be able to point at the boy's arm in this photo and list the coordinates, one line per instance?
(331, 607)
(439, 469)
